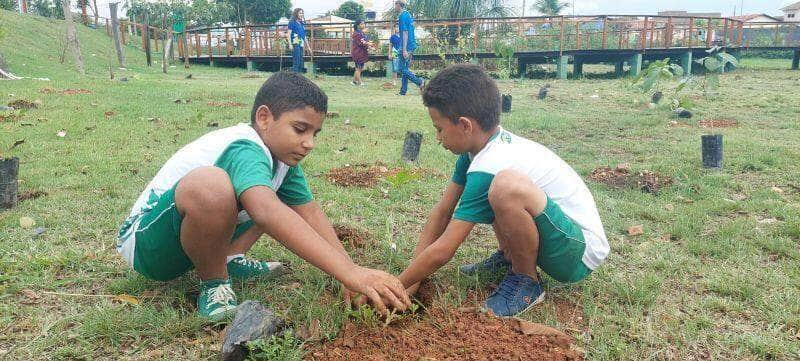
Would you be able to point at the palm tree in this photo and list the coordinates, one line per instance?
(439, 9)
(550, 7)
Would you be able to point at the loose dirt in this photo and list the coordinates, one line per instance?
(439, 333)
(30, 195)
(360, 175)
(76, 91)
(621, 177)
(718, 123)
(448, 335)
(225, 104)
(23, 104)
(353, 238)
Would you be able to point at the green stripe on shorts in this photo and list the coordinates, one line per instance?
(561, 245)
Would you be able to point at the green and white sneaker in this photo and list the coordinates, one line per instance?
(244, 268)
(216, 300)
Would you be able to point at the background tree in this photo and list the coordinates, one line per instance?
(350, 10)
(550, 7)
(455, 9)
(8, 4)
(257, 11)
(46, 8)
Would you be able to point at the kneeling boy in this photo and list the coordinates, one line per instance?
(542, 212)
(216, 196)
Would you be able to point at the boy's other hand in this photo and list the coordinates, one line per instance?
(377, 286)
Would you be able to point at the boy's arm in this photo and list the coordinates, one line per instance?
(437, 254)
(312, 213)
(438, 220)
(286, 226)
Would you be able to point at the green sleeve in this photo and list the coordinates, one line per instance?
(474, 203)
(460, 173)
(247, 165)
(294, 190)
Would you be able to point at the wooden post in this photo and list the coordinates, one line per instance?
(621, 35)
(578, 35)
(227, 43)
(741, 33)
(247, 41)
(708, 34)
(84, 15)
(197, 47)
(561, 39)
(605, 28)
(141, 27)
(167, 50)
(725, 32)
(651, 43)
(112, 8)
(146, 27)
(643, 40)
(108, 29)
(691, 31)
(475, 37)
(122, 29)
(668, 34)
(208, 44)
(155, 37)
(185, 40)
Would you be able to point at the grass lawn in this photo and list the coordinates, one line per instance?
(714, 276)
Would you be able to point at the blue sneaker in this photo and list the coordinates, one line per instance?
(494, 263)
(516, 294)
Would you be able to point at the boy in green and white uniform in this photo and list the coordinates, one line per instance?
(543, 214)
(216, 196)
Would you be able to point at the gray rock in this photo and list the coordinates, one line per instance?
(683, 113)
(543, 91)
(39, 231)
(252, 322)
(4, 108)
(656, 97)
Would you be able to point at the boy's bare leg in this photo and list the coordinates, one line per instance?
(206, 201)
(245, 241)
(515, 201)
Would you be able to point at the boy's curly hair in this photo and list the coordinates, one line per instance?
(285, 91)
(464, 90)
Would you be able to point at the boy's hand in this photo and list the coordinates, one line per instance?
(378, 285)
(362, 300)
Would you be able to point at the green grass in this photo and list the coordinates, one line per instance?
(709, 277)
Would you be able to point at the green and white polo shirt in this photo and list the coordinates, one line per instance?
(545, 169)
(242, 154)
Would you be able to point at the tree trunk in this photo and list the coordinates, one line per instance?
(96, 12)
(72, 37)
(146, 28)
(167, 48)
(112, 7)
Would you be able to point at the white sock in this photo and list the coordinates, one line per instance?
(232, 257)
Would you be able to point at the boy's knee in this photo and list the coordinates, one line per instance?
(206, 188)
(510, 187)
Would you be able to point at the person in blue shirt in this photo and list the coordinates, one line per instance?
(297, 39)
(407, 46)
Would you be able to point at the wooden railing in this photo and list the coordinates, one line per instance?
(484, 35)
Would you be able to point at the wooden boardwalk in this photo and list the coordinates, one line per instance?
(623, 40)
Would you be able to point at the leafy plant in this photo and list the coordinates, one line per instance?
(284, 347)
(402, 177)
(657, 72)
(365, 315)
(505, 49)
(714, 65)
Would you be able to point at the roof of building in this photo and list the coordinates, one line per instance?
(794, 6)
(751, 17)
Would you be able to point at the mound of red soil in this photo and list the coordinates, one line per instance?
(352, 237)
(718, 123)
(359, 175)
(448, 335)
(621, 177)
(23, 104)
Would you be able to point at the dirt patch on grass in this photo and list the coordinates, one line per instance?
(23, 104)
(30, 195)
(76, 91)
(9, 117)
(352, 237)
(446, 334)
(360, 175)
(718, 123)
(225, 104)
(621, 177)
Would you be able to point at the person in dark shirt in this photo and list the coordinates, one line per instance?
(359, 50)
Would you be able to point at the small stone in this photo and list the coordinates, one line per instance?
(636, 230)
(26, 222)
(39, 231)
(656, 97)
(683, 113)
(252, 322)
(777, 190)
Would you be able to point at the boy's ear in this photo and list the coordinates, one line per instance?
(467, 125)
(264, 117)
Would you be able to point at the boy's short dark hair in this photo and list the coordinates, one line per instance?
(464, 90)
(285, 91)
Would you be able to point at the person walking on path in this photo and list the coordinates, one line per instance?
(408, 45)
(297, 39)
(359, 49)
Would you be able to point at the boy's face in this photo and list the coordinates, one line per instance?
(452, 136)
(290, 138)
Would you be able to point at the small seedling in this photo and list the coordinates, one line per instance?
(283, 347)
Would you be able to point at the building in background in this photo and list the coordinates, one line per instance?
(792, 12)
